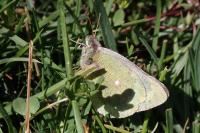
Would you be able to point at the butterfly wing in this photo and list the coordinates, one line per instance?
(155, 92)
(126, 88)
(122, 90)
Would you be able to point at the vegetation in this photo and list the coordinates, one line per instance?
(162, 37)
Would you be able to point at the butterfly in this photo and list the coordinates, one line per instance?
(125, 89)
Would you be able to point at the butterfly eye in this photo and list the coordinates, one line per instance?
(89, 61)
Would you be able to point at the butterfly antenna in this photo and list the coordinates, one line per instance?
(90, 23)
(77, 42)
(95, 31)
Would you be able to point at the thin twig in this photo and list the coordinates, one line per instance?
(27, 129)
(185, 126)
(27, 117)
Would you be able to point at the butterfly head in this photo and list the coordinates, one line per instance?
(91, 41)
(89, 50)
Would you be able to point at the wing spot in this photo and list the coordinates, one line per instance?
(117, 82)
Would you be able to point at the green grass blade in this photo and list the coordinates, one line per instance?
(196, 39)
(149, 49)
(197, 67)
(48, 19)
(108, 6)
(51, 90)
(145, 123)
(195, 127)
(116, 129)
(169, 121)
(162, 56)
(20, 25)
(99, 121)
(8, 109)
(105, 25)
(135, 22)
(75, 17)
(157, 25)
(7, 5)
(16, 59)
(18, 41)
(195, 61)
(187, 102)
(7, 119)
(77, 13)
(67, 54)
(77, 116)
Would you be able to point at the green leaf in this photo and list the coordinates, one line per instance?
(18, 41)
(108, 6)
(19, 106)
(34, 105)
(118, 18)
